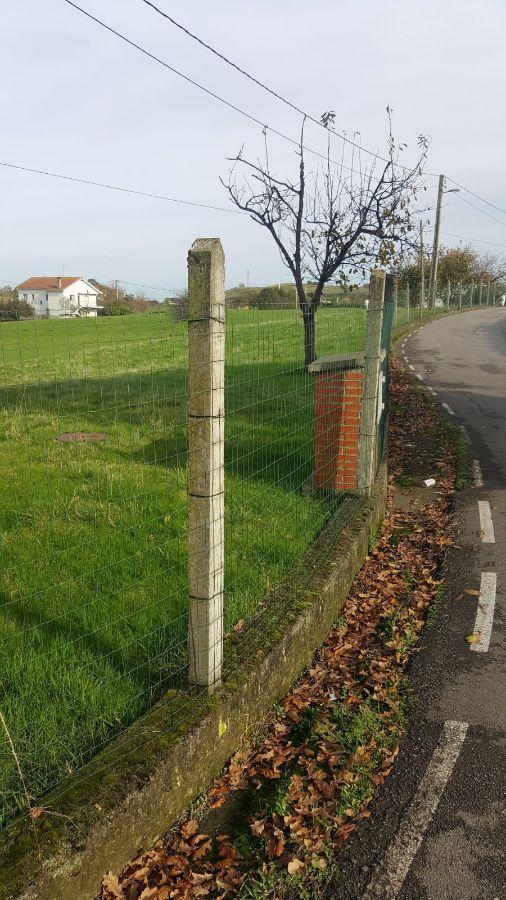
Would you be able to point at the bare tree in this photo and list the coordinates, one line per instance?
(331, 222)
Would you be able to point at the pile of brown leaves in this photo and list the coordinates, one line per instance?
(336, 735)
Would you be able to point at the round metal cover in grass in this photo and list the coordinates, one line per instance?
(82, 437)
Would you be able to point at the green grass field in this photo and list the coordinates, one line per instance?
(93, 584)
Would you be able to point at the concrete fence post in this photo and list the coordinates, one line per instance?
(395, 299)
(461, 291)
(407, 302)
(371, 383)
(206, 402)
(480, 293)
(471, 295)
(488, 294)
(448, 294)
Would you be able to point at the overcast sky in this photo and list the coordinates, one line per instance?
(78, 101)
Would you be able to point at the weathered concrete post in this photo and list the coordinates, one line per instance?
(488, 293)
(372, 365)
(461, 291)
(480, 293)
(471, 296)
(206, 401)
(407, 302)
(448, 294)
(396, 299)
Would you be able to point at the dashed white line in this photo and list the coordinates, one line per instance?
(389, 877)
(448, 409)
(477, 476)
(411, 367)
(420, 377)
(431, 389)
(486, 523)
(465, 433)
(485, 613)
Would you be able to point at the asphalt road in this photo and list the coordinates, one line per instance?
(438, 829)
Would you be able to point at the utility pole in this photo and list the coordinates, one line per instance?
(116, 283)
(422, 271)
(435, 245)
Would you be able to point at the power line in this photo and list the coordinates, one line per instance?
(215, 96)
(483, 211)
(473, 240)
(264, 86)
(115, 187)
(294, 106)
(483, 200)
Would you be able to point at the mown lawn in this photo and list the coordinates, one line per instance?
(93, 585)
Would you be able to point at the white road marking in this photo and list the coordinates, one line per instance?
(486, 524)
(485, 612)
(431, 389)
(411, 367)
(390, 875)
(465, 433)
(448, 409)
(477, 476)
(420, 377)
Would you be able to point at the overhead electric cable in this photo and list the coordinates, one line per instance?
(473, 240)
(342, 136)
(115, 187)
(483, 211)
(477, 196)
(228, 103)
(265, 87)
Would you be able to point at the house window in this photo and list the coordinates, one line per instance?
(47, 298)
(25, 297)
(33, 296)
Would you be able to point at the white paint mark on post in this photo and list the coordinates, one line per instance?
(390, 875)
(486, 523)
(485, 613)
(206, 405)
(477, 476)
(371, 383)
(448, 409)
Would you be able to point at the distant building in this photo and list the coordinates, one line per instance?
(58, 297)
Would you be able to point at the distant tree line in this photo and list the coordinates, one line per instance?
(117, 302)
(456, 265)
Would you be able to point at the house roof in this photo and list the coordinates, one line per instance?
(50, 283)
(46, 283)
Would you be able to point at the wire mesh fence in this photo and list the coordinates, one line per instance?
(94, 444)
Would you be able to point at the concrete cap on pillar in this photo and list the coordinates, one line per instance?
(343, 363)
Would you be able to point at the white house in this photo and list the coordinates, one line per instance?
(58, 297)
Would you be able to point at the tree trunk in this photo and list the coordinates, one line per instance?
(309, 336)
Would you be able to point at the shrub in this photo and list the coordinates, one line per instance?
(12, 310)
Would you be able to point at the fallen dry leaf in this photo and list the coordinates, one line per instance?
(294, 866)
(473, 638)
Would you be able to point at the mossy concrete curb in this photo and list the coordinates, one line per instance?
(132, 792)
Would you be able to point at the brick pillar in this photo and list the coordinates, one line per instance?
(338, 389)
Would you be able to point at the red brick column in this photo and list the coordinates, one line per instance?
(337, 424)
